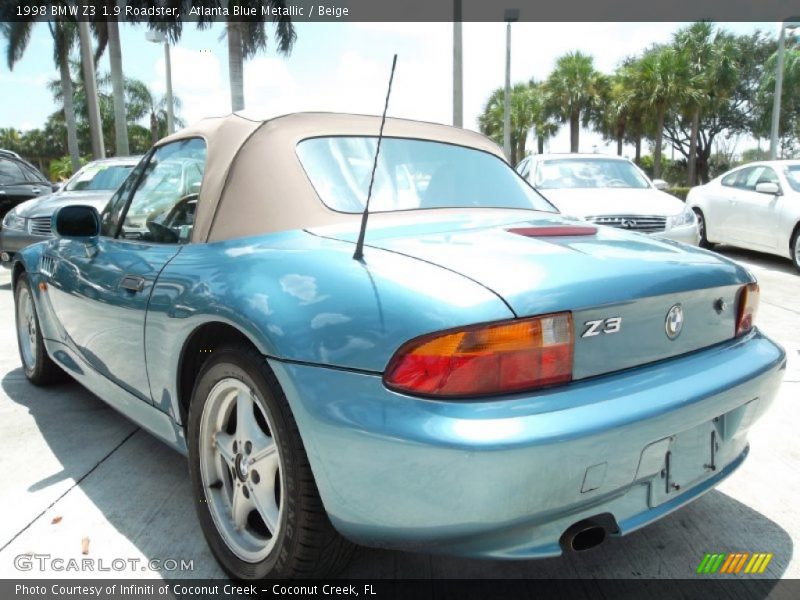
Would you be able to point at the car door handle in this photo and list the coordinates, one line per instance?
(35, 190)
(132, 283)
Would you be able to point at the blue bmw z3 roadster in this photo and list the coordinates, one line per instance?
(486, 378)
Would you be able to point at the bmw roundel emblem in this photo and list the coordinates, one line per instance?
(674, 322)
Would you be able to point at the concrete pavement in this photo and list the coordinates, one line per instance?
(71, 469)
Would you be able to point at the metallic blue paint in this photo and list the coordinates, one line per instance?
(504, 477)
(501, 477)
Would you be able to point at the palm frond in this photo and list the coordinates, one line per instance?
(17, 34)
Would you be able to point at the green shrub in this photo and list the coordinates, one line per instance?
(61, 168)
(679, 192)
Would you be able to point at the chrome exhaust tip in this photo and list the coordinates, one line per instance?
(589, 533)
(587, 538)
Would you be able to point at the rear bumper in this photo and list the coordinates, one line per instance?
(505, 478)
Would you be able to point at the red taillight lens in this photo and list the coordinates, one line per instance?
(747, 307)
(486, 359)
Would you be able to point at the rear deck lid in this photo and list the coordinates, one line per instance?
(628, 282)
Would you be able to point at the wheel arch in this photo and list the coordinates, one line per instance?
(793, 235)
(16, 270)
(792, 240)
(197, 348)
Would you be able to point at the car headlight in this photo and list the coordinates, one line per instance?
(14, 221)
(685, 218)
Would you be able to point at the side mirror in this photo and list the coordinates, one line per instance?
(76, 222)
(768, 187)
(56, 186)
(660, 184)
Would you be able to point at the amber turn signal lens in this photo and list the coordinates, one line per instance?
(498, 358)
(747, 306)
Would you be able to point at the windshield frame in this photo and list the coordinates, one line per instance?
(599, 159)
(425, 208)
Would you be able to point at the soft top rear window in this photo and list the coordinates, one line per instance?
(412, 174)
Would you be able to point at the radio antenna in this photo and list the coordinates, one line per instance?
(359, 253)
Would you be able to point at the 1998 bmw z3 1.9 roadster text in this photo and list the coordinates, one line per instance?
(487, 379)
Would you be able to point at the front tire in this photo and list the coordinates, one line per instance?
(39, 368)
(257, 501)
(701, 226)
(795, 248)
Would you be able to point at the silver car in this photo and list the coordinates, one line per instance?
(612, 191)
(755, 206)
(94, 184)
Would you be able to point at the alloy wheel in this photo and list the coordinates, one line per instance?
(240, 466)
(26, 328)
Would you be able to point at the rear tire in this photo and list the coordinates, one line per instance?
(701, 226)
(39, 368)
(257, 501)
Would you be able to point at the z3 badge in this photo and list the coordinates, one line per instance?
(610, 325)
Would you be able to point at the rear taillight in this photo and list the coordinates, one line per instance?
(487, 359)
(746, 308)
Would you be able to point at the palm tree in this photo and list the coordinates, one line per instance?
(630, 118)
(527, 112)
(88, 63)
(11, 139)
(144, 102)
(107, 31)
(613, 117)
(712, 71)
(17, 34)
(661, 80)
(542, 118)
(790, 97)
(140, 101)
(248, 38)
(573, 88)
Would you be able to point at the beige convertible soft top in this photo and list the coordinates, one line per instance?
(254, 182)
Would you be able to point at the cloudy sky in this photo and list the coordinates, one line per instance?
(345, 67)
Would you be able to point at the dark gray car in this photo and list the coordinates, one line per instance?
(19, 181)
(94, 184)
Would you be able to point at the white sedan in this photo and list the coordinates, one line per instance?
(755, 206)
(610, 190)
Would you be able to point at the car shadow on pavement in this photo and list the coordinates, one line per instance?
(140, 503)
(765, 261)
(671, 549)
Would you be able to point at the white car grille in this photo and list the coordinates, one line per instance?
(642, 223)
(39, 226)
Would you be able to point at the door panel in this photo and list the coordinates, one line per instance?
(754, 215)
(719, 200)
(101, 290)
(759, 219)
(103, 319)
(735, 221)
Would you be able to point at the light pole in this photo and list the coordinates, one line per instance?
(458, 67)
(511, 15)
(158, 37)
(789, 24)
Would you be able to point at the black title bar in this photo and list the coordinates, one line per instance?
(165, 11)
